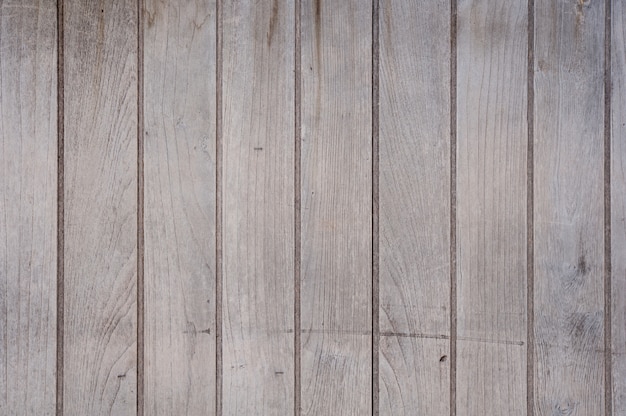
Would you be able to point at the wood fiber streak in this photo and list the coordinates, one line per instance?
(100, 372)
(28, 207)
(492, 142)
(336, 197)
(258, 201)
(618, 205)
(180, 201)
(414, 206)
(569, 207)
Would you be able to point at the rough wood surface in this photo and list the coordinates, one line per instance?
(618, 204)
(569, 207)
(258, 208)
(491, 206)
(179, 140)
(414, 207)
(100, 373)
(336, 207)
(28, 203)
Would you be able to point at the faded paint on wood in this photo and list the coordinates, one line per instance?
(179, 160)
(28, 207)
(258, 90)
(100, 321)
(336, 207)
(492, 143)
(569, 207)
(414, 207)
(618, 205)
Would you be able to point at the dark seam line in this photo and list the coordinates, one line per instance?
(140, 213)
(530, 226)
(453, 146)
(608, 296)
(297, 211)
(60, 275)
(375, 208)
(218, 212)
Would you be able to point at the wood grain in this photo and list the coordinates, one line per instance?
(336, 207)
(491, 206)
(618, 205)
(28, 207)
(258, 208)
(180, 201)
(100, 373)
(569, 207)
(414, 207)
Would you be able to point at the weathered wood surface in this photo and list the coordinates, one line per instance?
(215, 199)
(618, 205)
(492, 141)
(336, 207)
(258, 88)
(100, 320)
(569, 208)
(28, 207)
(414, 207)
(180, 201)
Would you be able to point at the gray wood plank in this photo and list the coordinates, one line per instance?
(28, 207)
(336, 202)
(569, 207)
(258, 208)
(180, 201)
(414, 200)
(618, 205)
(100, 375)
(492, 144)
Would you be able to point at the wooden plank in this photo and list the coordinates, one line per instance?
(28, 207)
(618, 205)
(492, 144)
(336, 197)
(100, 357)
(569, 207)
(180, 201)
(258, 208)
(414, 207)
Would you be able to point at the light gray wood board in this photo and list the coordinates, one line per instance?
(569, 207)
(100, 320)
(414, 203)
(336, 312)
(180, 201)
(618, 205)
(492, 142)
(258, 87)
(28, 207)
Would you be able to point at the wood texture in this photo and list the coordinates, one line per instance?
(414, 207)
(336, 207)
(491, 206)
(28, 201)
(569, 207)
(258, 208)
(179, 140)
(618, 205)
(100, 320)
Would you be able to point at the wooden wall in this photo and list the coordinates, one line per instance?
(313, 207)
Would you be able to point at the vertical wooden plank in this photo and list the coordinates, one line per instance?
(491, 206)
(28, 206)
(569, 208)
(100, 373)
(336, 207)
(414, 207)
(618, 205)
(258, 207)
(179, 140)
